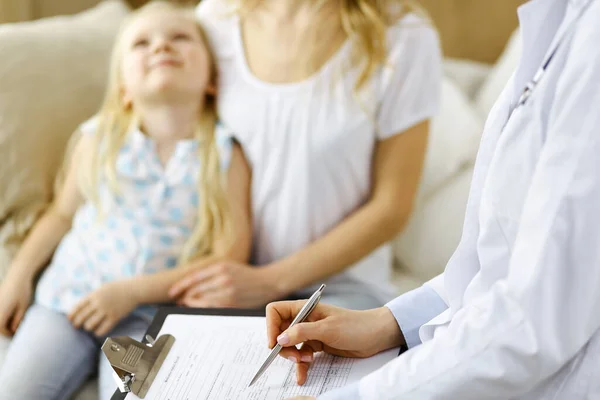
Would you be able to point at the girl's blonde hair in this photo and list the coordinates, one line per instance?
(365, 22)
(115, 121)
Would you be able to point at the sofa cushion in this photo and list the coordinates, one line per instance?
(52, 77)
(453, 140)
(433, 232)
(404, 281)
(468, 75)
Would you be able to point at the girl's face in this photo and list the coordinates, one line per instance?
(164, 57)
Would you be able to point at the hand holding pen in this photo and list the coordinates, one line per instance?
(300, 317)
(334, 330)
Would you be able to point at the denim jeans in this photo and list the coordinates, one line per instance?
(48, 359)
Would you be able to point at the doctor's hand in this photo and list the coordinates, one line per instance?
(334, 330)
(103, 309)
(226, 284)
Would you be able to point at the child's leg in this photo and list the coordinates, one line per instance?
(47, 359)
(133, 326)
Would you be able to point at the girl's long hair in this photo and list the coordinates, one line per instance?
(115, 120)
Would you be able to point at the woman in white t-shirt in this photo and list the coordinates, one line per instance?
(330, 101)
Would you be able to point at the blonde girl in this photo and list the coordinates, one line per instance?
(144, 194)
(331, 100)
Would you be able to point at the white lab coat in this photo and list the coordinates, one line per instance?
(523, 286)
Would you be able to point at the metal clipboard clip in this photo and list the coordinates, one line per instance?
(136, 364)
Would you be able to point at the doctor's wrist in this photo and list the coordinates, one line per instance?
(386, 329)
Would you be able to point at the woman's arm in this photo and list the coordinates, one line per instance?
(154, 288)
(397, 169)
(47, 233)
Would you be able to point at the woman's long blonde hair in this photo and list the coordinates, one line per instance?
(115, 121)
(365, 22)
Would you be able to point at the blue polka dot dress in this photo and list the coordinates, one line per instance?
(143, 228)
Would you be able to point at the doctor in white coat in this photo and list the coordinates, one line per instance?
(516, 314)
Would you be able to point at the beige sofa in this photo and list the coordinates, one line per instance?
(52, 77)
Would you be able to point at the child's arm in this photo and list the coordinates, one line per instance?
(101, 310)
(17, 287)
(54, 223)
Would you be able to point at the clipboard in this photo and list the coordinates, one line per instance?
(145, 358)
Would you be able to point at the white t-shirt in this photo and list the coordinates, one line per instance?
(311, 144)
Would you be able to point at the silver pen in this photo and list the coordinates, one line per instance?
(304, 312)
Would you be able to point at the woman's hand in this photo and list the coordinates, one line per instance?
(334, 330)
(15, 297)
(104, 308)
(226, 284)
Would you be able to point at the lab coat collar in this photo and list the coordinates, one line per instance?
(573, 10)
(547, 18)
(542, 24)
(539, 21)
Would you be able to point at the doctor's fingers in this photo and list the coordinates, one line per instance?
(281, 313)
(304, 354)
(308, 350)
(302, 372)
(307, 355)
(304, 332)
